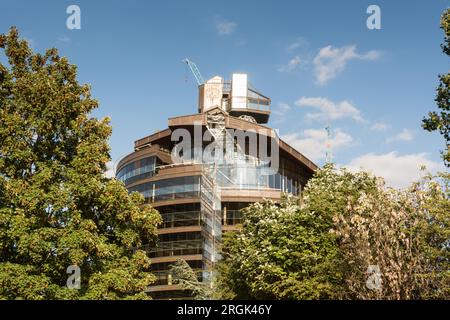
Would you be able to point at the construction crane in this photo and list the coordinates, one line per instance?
(195, 71)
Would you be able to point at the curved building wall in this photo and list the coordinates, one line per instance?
(198, 202)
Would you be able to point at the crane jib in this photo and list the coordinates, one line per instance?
(195, 71)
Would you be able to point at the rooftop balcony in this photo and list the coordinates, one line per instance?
(236, 97)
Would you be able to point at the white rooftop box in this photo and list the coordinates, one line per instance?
(239, 91)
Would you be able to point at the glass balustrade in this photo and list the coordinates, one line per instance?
(167, 189)
(166, 277)
(137, 170)
(175, 248)
(180, 219)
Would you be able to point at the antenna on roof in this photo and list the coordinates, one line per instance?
(329, 151)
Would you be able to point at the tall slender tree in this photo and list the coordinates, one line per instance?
(441, 121)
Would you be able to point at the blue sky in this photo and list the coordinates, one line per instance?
(316, 60)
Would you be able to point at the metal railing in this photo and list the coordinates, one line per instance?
(165, 277)
(181, 219)
(174, 248)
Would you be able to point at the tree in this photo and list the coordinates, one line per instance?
(183, 275)
(56, 207)
(441, 121)
(393, 243)
(352, 238)
(282, 252)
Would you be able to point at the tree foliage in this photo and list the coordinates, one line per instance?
(184, 276)
(348, 223)
(441, 121)
(403, 233)
(282, 252)
(56, 207)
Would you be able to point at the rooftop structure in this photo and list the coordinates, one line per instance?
(235, 97)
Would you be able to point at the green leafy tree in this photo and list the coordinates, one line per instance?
(57, 209)
(403, 234)
(441, 121)
(348, 226)
(282, 252)
(184, 276)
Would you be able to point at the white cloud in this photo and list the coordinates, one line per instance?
(405, 135)
(379, 126)
(398, 170)
(299, 42)
(330, 61)
(225, 27)
(281, 110)
(65, 39)
(109, 170)
(329, 110)
(313, 143)
(293, 64)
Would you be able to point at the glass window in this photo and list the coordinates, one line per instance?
(139, 169)
(182, 187)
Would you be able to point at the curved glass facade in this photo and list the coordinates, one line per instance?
(239, 175)
(181, 219)
(180, 215)
(137, 170)
(177, 244)
(250, 176)
(177, 248)
(245, 172)
(167, 189)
